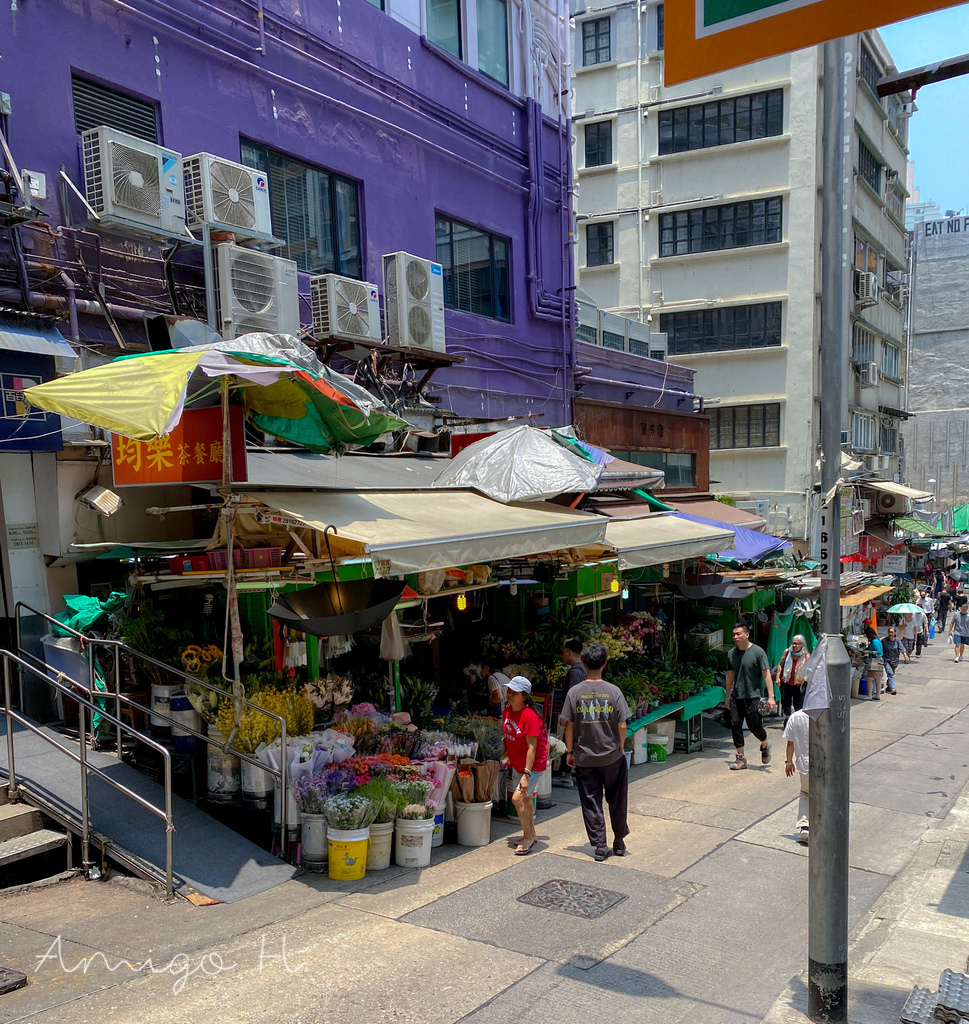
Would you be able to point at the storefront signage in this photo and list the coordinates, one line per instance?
(23, 427)
(652, 429)
(895, 563)
(949, 226)
(22, 535)
(191, 453)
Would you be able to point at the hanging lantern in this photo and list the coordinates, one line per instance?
(462, 602)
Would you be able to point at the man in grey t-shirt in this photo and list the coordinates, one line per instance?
(748, 683)
(595, 715)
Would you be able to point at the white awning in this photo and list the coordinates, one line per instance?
(889, 487)
(410, 531)
(38, 341)
(653, 540)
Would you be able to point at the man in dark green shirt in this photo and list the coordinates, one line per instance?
(748, 682)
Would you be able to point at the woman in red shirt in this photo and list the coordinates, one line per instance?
(526, 744)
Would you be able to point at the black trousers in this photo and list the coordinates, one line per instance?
(744, 709)
(792, 698)
(612, 780)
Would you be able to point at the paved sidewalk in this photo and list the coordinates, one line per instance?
(711, 926)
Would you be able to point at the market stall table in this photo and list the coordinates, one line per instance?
(690, 711)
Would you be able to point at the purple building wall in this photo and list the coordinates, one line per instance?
(344, 86)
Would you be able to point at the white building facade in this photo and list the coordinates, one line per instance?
(698, 210)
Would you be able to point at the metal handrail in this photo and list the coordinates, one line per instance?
(119, 646)
(10, 659)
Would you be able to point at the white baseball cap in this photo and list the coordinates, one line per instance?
(520, 685)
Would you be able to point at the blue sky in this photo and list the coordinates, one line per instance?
(939, 131)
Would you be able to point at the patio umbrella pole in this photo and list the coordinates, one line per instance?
(232, 609)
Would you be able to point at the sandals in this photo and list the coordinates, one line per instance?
(523, 851)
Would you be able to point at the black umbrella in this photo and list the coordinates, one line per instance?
(333, 609)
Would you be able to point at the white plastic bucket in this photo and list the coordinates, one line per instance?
(256, 783)
(315, 849)
(292, 812)
(381, 845)
(183, 714)
(474, 823)
(223, 774)
(629, 757)
(412, 848)
(657, 746)
(438, 835)
(161, 703)
(543, 792)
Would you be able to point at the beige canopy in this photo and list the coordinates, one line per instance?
(653, 540)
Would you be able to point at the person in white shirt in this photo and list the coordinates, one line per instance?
(797, 733)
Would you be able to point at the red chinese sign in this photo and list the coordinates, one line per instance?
(192, 452)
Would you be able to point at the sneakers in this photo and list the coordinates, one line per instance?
(892, 692)
(619, 848)
(765, 754)
(804, 837)
(602, 852)
(740, 762)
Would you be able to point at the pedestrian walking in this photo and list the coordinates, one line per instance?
(942, 608)
(526, 743)
(959, 631)
(797, 732)
(748, 683)
(909, 627)
(891, 652)
(595, 715)
(873, 664)
(792, 692)
(575, 673)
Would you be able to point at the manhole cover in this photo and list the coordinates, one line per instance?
(573, 898)
(11, 980)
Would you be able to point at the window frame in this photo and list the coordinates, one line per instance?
(597, 226)
(769, 414)
(506, 81)
(871, 169)
(598, 22)
(864, 343)
(868, 70)
(334, 214)
(598, 126)
(660, 37)
(715, 122)
(461, 18)
(698, 226)
(890, 361)
(693, 332)
(859, 418)
(498, 296)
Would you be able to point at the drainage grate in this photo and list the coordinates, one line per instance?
(573, 898)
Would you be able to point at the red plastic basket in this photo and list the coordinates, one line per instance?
(264, 558)
(181, 564)
(220, 561)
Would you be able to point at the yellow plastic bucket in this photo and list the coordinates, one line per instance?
(348, 853)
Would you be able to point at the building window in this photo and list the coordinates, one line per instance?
(868, 68)
(862, 345)
(889, 440)
(598, 144)
(493, 40)
(891, 361)
(679, 467)
(731, 226)
(895, 201)
(314, 212)
(444, 25)
(863, 431)
(721, 122)
(866, 256)
(599, 245)
(722, 330)
(596, 42)
(869, 168)
(900, 107)
(895, 285)
(475, 269)
(660, 27)
(746, 426)
(96, 104)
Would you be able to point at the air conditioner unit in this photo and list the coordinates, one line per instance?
(133, 184)
(414, 302)
(866, 288)
(257, 292)
(227, 195)
(868, 372)
(893, 504)
(866, 507)
(758, 508)
(344, 308)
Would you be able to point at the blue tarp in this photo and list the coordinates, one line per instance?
(750, 545)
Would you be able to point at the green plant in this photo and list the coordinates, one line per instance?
(385, 797)
(724, 499)
(152, 633)
(418, 698)
(566, 624)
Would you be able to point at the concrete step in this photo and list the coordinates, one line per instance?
(18, 820)
(21, 847)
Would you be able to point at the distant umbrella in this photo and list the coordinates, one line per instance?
(904, 609)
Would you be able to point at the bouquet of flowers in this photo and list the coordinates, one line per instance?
(344, 813)
(385, 797)
(414, 796)
(310, 793)
(416, 812)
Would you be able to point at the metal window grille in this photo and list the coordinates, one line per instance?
(868, 67)
(862, 345)
(660, 27)
(891, 361)
(724, 329)
(96, 104)
(869, 168)
(712, 228)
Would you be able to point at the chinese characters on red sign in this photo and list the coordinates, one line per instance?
(192, 452)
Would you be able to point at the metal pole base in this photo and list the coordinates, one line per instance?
(828, 992)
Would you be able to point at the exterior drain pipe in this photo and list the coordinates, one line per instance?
(71, 308)
(38, 300)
